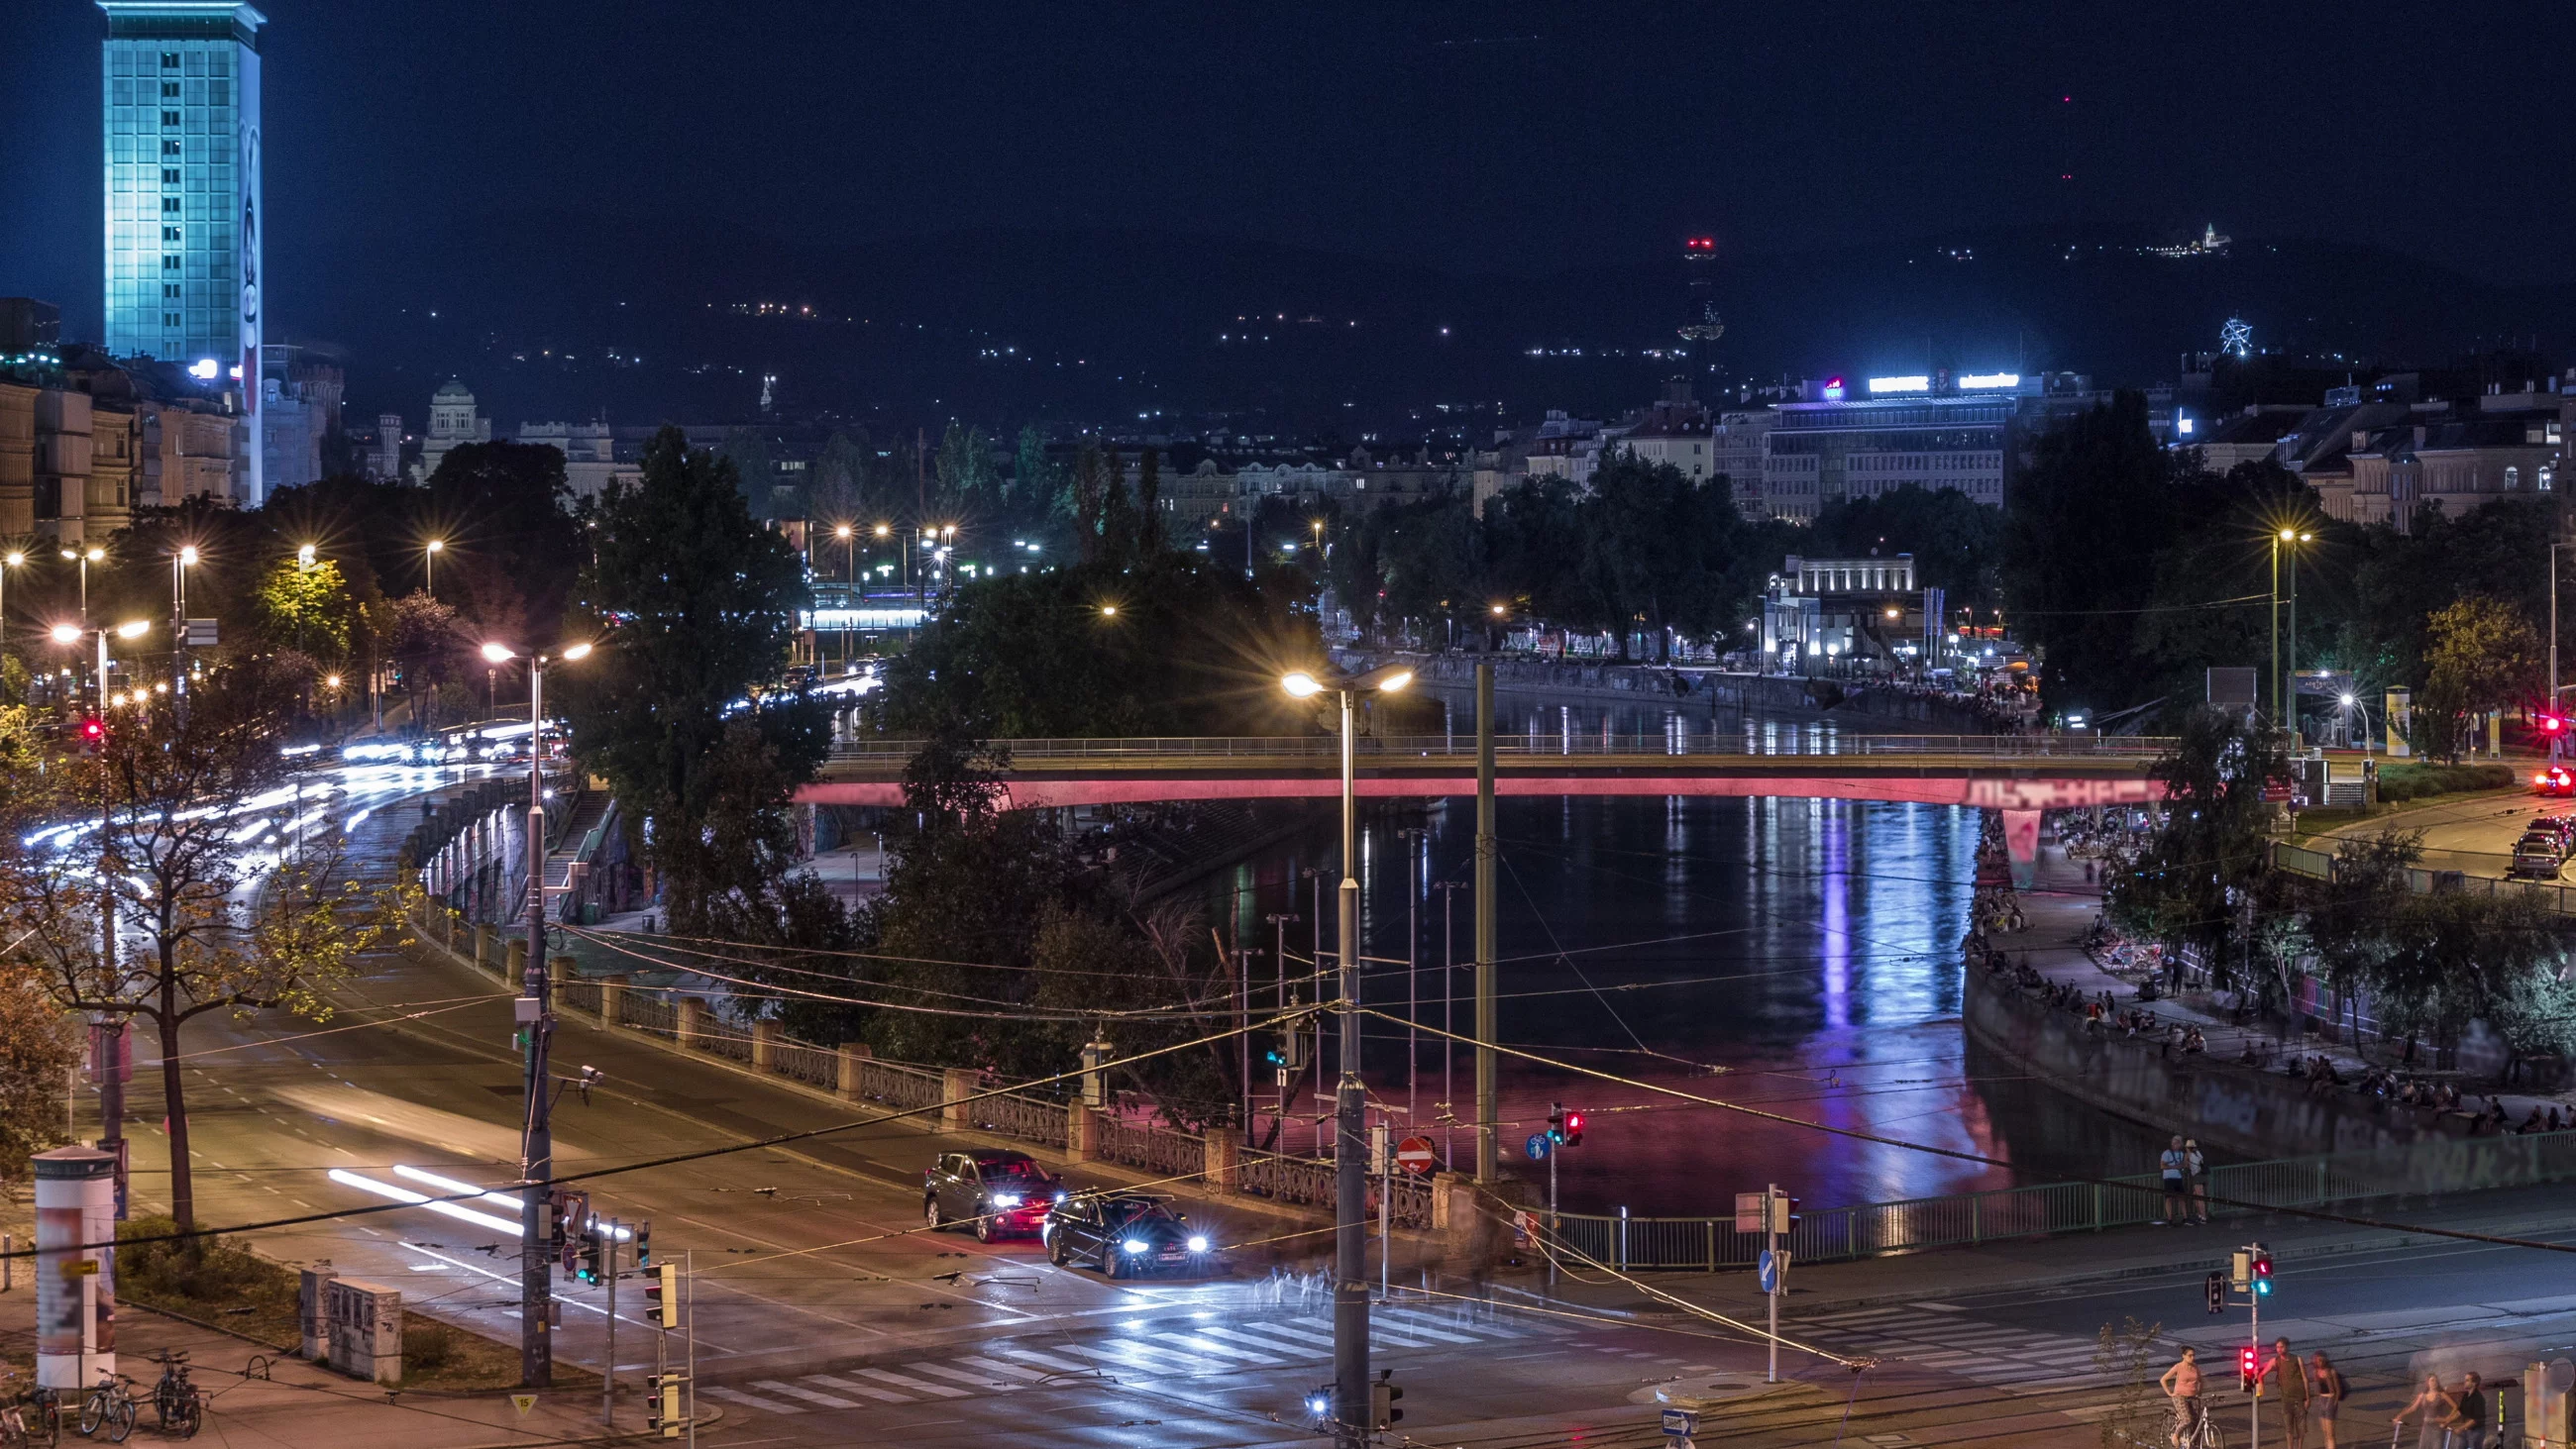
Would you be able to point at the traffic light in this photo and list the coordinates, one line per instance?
(2551, 726)
(586, 1267)
(2215, 1291)
(2240, 1269)
(1383, 1414)
(1556, 1122)
(93, 733)
(662, 1296)
(662, 1414)
(1573, 1129)
(2246, 1369)
(2262, 1273)
(644, 1244)
(1288, 1053)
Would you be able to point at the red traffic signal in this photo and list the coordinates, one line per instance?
(2551, 724)
(93, 732)
(1573, 1129)
(2262, 1275)
(2246, 1369)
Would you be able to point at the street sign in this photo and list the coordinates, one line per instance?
(1537, 1146)
(79, 1267)
(1748, 1212)
(1413, 1154)
(1767, 1268)
(201, 633)
(1680, 1423)
(523, 1403)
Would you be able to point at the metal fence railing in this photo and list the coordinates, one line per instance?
(1864, 1230)
(1306, 1181)
(814, 1066)
(1720, 743)
(646, 1013)
(2319, 865)
(1029, 1119)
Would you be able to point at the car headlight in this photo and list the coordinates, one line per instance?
(1059, 1197)
(1198, 1245)
(1006, 1199)
(1133, 1245)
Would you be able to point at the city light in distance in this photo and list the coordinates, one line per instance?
(1909, 382)
(1979, 381)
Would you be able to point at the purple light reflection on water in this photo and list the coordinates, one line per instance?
(1800, 956)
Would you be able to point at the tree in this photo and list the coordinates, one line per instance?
(195, 807)
(2480, 655)
(693, 604)
(418, 636)
(513, 548)
(306, 608)
(39, 1044)
(2080, 528)
(2200, 880)
(747, 449)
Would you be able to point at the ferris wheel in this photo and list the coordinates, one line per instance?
(2237, 337)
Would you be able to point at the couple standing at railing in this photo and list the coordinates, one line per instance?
(2185, 1177)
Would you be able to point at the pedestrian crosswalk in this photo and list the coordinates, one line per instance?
(1939, 1336)
(1162, 1348)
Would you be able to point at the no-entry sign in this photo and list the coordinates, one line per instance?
(1413, 1154)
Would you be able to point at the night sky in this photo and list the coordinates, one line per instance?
(1476, 138)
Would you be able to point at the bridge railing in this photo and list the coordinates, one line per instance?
(1383, 748)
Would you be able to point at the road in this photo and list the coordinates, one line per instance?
(2474, 834)
(826, 1314)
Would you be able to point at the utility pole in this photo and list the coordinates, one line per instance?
(1771, 1297)
(608, 1368)
(1242, 1031)
(1278, 1002)
(1413, 836)
(1350, 1227)
(1485, 852)
(1449, 1024)
(536, 1159)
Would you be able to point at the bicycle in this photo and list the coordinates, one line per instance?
(42, 1417)
(2204, 1432)
(178, 1406)
(110, 1406)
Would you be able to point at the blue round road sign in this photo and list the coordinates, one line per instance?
(1768, 1269)
(1537, 1146)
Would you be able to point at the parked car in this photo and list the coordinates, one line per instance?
(1006, 1194)
(1123, 1235)
(2537, 856)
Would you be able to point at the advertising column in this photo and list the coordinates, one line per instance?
(75, 1284)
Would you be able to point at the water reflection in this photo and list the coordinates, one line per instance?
(1795, 955)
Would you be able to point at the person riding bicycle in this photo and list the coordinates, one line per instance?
(2181, 1383)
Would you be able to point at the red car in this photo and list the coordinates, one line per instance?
(2554, 780)
(1005, 1194)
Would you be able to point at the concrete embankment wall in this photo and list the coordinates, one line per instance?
(2231, 1108)
(1704, 688)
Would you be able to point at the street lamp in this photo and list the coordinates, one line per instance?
(2283, 690)
(1350, 1181)
(304, 557)
(10, 560)
(429, 553)
(73, 633)
(536, 1159)
(2351, 703)
(85, 557)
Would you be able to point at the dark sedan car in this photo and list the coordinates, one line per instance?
(1005, 1193)
(1123, 1234)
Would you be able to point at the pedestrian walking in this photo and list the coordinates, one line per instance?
(2435, 1406)
(2171, 1166)
(2196, 1170)
(2325, 1383)
(2181, 1384)
(2291, 1372)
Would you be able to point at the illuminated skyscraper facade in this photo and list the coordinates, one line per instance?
(179, 92)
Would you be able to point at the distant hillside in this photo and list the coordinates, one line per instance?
(1095, 324)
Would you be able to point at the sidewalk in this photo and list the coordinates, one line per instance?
(2061, 911)
(299, 1404)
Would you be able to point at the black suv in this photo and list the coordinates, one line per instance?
(1123, 1234)
(1006, 1193)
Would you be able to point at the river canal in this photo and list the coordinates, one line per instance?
(1792, 954)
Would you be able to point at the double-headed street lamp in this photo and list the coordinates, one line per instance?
(1350, 1131)
(85, 557)
(73, 633)
(534, 1013)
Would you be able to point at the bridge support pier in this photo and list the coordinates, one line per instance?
(2021, 842)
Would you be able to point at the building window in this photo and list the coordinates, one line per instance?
(2512, 479)
(169, 263)
(169, 203)
(169, 148)
(169, 60)
(169, 118)
(169, 90)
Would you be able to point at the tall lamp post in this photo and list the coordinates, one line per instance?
(1350, 1131)
(85, 557)
(10, 560)
(2285, 699)
(429, 553)
(535, 1014)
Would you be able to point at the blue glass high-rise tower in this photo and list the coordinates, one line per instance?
(179, 91)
